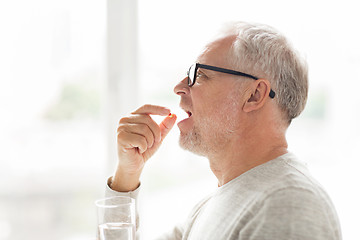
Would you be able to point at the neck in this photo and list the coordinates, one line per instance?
(242, 155)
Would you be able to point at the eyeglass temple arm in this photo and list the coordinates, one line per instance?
(224, 70)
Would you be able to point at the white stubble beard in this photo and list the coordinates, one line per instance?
(212, 134)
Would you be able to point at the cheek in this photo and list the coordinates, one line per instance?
(224, 112)
(222, 107)
(206, 108)
(229, 110)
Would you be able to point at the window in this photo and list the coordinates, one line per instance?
(52, 132)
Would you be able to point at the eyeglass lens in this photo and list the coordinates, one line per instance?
(191, 74)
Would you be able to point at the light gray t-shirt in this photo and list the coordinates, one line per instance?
(276, 200)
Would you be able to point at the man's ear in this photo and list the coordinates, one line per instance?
(260, 93)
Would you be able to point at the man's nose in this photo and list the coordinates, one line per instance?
(182, 87)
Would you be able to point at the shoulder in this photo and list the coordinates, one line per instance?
(295, 193)
(288, 174)
(291, 201)
(296, 212)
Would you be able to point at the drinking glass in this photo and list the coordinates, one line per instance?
(116, 218)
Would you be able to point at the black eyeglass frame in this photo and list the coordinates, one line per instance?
(223, 70)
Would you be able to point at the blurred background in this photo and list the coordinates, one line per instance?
(70, 69)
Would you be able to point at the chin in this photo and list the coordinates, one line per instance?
(191, 142)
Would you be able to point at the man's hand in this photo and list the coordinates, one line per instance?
(138, 138)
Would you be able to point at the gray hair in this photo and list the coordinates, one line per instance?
(262, 51)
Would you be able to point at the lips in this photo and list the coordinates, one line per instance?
(187, 111)
(186, 123)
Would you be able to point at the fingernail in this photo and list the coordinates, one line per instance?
(172, 115)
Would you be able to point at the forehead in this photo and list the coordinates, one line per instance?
(215, 53)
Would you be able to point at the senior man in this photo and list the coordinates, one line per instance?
(241, 96)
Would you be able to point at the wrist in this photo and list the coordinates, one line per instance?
(124, 182)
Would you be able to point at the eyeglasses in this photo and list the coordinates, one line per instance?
(192, 74)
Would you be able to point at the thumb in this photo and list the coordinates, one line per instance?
(166, 125)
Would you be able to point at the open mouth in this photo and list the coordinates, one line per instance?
(184, 114)
(185, 119)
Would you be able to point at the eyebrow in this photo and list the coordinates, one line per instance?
(206, 72)
(202, 71)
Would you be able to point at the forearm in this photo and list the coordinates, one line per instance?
(124, 182)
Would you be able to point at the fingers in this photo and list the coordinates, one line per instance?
(140, 131)
(152, 109)
(167, 124)
(140, 136)
(131, 140)
(139, 124)
(137, 135)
